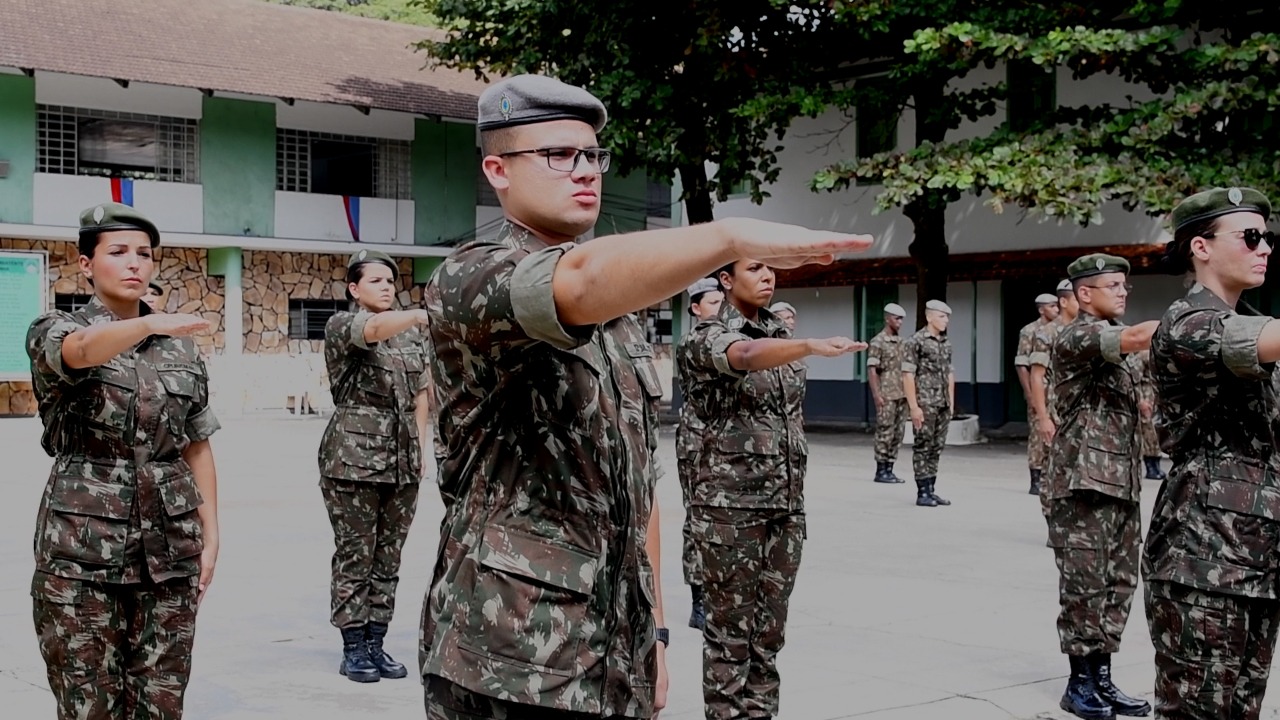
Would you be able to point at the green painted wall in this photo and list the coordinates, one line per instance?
(623, 208)
(423, 267)
(17, 147)
(444, 181)
(226, 262)
(238, 167)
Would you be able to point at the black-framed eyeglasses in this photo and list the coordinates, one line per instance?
(566, 159)
(1252, 236)
(1113, 286)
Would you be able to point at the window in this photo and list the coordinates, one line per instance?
(1032, 94)
(657, 321)
(70, 302)
(877, 118)
(330, 164)
(307, 318)
(77, 141)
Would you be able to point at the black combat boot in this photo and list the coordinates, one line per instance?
(1035, 482)
(937, 500)
(355, 657)
(883, 474)
(698, 616)
(1100, 663)
(1153, 468)
(888, 468)
(1081, 698)
(387, 667)
(923, 498)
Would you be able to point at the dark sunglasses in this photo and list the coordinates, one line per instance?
(1252, 237)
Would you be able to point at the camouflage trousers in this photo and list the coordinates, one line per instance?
(889, 430)
(1096, 543)
(445, 700)
(1147, 435)
(116, 652)
(750, 561)
(929, 441)
(687, 469)
(1037, 449)
(1213, 652)
(370, 523)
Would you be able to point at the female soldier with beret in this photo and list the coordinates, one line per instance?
(1212, 558)
(371, 458)
(127, 531)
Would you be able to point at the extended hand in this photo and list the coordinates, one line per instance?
(836, 346)
(176, 325)
(789, 246)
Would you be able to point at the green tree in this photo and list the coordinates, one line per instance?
(408, 12)
(1210, 66)
(681, 80)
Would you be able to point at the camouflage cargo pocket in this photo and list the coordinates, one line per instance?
(182, 530)
(88, 520)
(754, 458)
(1244, 514)
(182, 385)
(106, 398)
(366, 443)
(531, 601)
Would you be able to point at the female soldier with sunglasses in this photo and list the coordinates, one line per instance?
(1212, 558)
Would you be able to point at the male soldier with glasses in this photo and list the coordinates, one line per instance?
(544, 602)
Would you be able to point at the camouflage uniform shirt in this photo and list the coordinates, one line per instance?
(1026, 339)
(885, 354)
(928, 357)
(120, 504)
(1095, 394)
(757, 454)
(542, 592)
(1041, 351)
(373, 435)
(1216, 521)
(692, 426)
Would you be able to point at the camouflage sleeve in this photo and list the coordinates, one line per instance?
(503, 296)
(1207, 335)
(201, 422)
(709, 350)
(354, 329)
(1022, 358)
(345, 329)
(910, 356)
(1082, 342)
(44, 348)
(1039, 354)
(874, 352)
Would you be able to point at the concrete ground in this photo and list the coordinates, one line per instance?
(900, 613)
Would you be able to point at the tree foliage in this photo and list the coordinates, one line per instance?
(409, 12)
(682, 80)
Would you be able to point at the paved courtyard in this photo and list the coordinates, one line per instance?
(900, 613)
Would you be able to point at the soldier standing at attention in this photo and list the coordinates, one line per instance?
(1211, 562)
(1042, 393)
(705, 299)
(930, 387)
(371, 459)
(1092, 485)
(1047, 307)
(884, 370)
(544, 601)
(127, 532)
(785, 312)
(1148, 439)
(746, 372)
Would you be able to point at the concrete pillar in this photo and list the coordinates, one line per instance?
(228, 263)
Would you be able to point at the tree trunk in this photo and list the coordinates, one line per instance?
(930, 251)
(697, 194)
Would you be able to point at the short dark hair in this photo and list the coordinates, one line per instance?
(726, 269)
(88, 243)
(152, 286)
(1177, 254)
(496, 142)
(354, 274)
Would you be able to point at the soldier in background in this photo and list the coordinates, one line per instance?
(930, 386)
(1092, 485)
(1047, 307)
(785, 312)
(1042, 392)
(745, 372)
(1211, 559)
(1148, 440)
(705, 299)
(884, 370)
(371, 458)
(127, 532)
(544, 600)
(153, 296)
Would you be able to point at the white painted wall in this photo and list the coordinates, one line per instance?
(58, 199)
(383, 220)
(313, 216)
(990, 350)
(820, 313)
(105, 94)
(344, 120)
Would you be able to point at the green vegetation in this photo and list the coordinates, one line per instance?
(402, 11)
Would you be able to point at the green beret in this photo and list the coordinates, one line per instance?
(1218, 202)
(1097, 264)
(373, 256)
(110, 216)
(528, 99)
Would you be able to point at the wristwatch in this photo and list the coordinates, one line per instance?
(664, 636)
